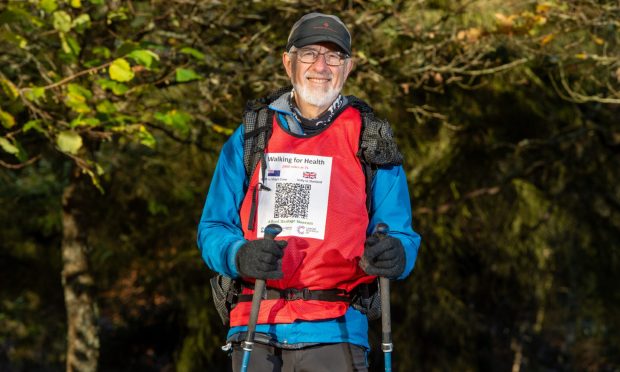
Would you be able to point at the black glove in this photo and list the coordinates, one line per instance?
(261, 259)
(383, 257)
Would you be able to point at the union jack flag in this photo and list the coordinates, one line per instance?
(311, 175)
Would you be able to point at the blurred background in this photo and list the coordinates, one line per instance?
(113, 113)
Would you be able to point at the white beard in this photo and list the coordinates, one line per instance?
(317, 97)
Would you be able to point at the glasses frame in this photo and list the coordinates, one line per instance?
(342, 57)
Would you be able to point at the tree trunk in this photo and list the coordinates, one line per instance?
(78, 284)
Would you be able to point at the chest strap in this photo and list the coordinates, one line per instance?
(292, 294)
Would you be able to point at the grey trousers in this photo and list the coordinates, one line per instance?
(341, 357)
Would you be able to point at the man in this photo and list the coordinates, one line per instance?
(312, 181)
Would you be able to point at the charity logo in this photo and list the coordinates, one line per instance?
(310, 175)
(273, 173)
(301, 229)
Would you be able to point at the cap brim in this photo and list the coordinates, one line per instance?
(315, 39)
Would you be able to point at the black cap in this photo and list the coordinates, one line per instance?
(315, 28)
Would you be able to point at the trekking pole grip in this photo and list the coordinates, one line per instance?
(271, 231)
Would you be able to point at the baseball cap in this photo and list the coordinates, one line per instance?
(315, 28)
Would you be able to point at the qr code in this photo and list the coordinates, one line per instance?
(292, 200)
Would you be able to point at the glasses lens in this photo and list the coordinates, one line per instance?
(333, 59)
(308, 55)
(311, 55)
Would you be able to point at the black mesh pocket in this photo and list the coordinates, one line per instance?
(367, 300)
(223, 291)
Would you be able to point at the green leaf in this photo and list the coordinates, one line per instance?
(84, 122)
(106, 107)
(82, 22)
(116, 88)
(183, 75)
(146, 138)
(48, 5)
(9, 88)
(8, 146)
(7, 120)
(102, 51)
(69, 44)
(34, 94)
(117, 15)
(33, 124)
(220, 129)
(193, 52)
(69, 141)
(143, 57)
(76, 3)
(176, 119)
(92, 63)
(77, 97)
(120, 70)
(96, 2)
(14, 39)
(94, 176)
(62, 21)
(78, 89)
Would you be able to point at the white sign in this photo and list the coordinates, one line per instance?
(298, 196)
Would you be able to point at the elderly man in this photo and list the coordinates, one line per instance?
(327, 171)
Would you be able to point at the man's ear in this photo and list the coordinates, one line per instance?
(287, 61)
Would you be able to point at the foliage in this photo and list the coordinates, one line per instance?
(506, 113)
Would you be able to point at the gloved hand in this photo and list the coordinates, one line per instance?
(261, 259)
(383, 257)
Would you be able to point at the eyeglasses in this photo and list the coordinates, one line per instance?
(307, 55)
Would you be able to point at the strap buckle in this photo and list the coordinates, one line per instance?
(292, 294)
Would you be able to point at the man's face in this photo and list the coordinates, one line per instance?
(317, 84)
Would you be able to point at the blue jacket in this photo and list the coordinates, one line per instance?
(220, 236)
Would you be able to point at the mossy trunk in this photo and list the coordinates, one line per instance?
(78, 284)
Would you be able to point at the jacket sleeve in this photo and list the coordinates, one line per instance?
(391, 205)
(219, 231)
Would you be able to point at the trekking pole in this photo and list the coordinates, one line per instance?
(381, 231)
(271, 231)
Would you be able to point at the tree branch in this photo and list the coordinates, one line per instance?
(578, 97)
(74, 76)
(21, 165)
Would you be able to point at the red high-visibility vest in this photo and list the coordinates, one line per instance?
(317, 264)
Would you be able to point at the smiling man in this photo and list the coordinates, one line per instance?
(327, 171)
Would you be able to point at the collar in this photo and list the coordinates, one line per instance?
(325, 118)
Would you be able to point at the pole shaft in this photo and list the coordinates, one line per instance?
(271, 231)
(259, 287)
(386, 321)
(381, 231)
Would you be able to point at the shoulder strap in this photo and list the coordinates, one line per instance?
(257, 122)
(377, 145)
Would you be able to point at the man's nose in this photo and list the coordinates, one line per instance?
(321, 63)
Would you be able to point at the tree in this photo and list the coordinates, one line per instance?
(77, 76)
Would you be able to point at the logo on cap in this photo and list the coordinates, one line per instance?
(324, 26)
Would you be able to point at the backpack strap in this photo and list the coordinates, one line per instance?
(377, 145)
(258, 126)
(257, 122)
